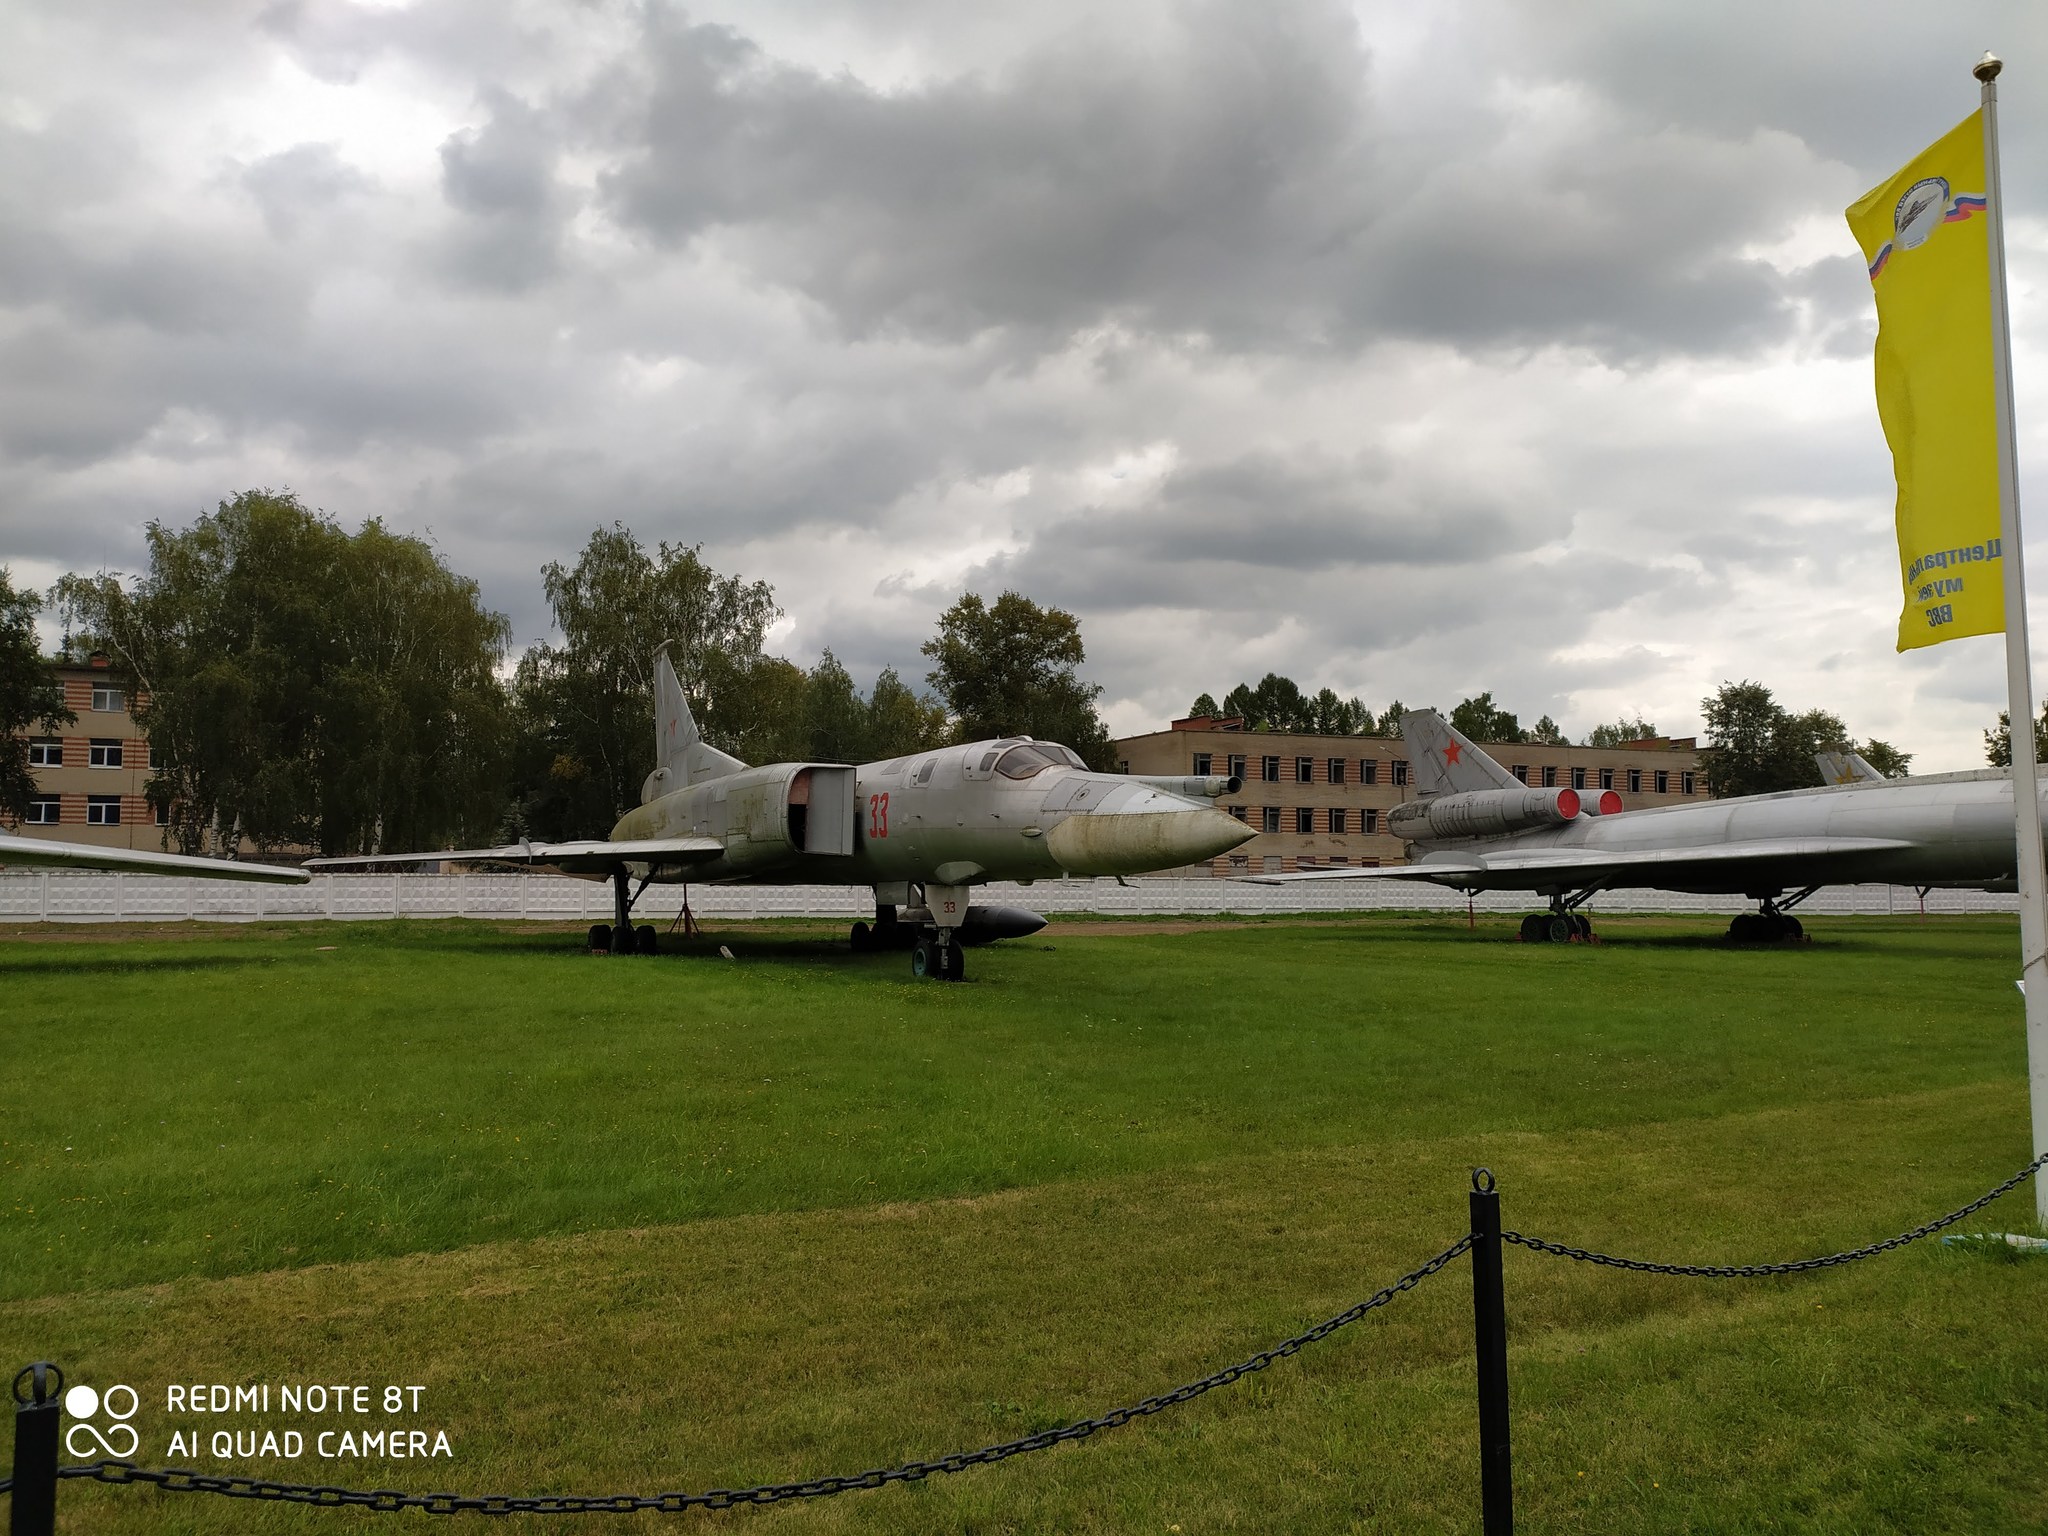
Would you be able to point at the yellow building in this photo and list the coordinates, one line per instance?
(89, 779)
(1323, 800)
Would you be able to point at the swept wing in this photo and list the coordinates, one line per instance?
(589, 857)
(36, 853)
(1590, 866)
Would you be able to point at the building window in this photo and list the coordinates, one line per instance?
(161, 815)
(1607, 778)
(1236, 762)
(1368, 770)
(1337, 820)
(1663, 782)
(45, 810)
(1241, 814)
(1269, 818)
(1336, 767)
(103, 810)
(1521, 771)
(46, 753)
(105, 754)
(1686, 781)
(1269, 770)
(1635, 781)
(1202, 762)
(1400, 770)
(1368, 821)
(1578, 778)
(1550, 776)
(107, 700)
(1304, 770)
(1304, 820)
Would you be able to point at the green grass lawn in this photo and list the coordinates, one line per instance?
(684, 1222)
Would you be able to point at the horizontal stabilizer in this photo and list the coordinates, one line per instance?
(577, 858)
(35, 853)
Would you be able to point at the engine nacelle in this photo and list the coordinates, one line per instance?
(1204, 787)
(1482, 813)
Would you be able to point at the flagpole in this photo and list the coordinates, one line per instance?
(2019, 685)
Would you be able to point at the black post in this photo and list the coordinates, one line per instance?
(1490, 1346)
(34, 1511)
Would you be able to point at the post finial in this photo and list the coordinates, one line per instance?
(1987, 68)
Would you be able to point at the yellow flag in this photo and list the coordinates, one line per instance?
(1924, 235)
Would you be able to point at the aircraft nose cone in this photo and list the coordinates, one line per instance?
(1136, 842)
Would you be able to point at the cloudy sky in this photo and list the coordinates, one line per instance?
(1408, 350)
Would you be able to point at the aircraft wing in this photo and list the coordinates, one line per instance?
(37, 853)
(1644, 866)
(577, 858)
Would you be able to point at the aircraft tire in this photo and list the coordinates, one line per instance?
(1559, 929)
(1746, 928)
(924, 960)
(1582, 927)
(1794, 929)
(861, 939)
(954, 959)
(645, 940)
(601, 938)
(1536, 928)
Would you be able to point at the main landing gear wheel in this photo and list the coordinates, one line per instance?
(861, 939)
(601, 938)
(1536, 928)
(644, 939)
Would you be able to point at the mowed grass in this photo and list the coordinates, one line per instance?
(684, 1222)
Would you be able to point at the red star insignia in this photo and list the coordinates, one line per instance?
(1452, 752)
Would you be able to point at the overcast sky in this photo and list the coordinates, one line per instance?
(1409, 350)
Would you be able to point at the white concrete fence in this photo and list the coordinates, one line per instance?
(79, 896)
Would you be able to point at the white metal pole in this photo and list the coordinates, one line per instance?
(2019, 685)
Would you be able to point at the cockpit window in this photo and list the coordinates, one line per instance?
(1033, 757)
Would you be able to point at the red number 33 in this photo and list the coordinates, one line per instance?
(878, 815)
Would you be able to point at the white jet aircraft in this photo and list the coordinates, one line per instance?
(1473, 826)
(922, 830)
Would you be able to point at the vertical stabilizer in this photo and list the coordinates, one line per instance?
(1445, 762)
(1846, 768)
(680, 756)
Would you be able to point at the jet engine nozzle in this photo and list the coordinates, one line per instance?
(1483, 813)
(1606, 803)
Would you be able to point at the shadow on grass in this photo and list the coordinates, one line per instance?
(74, 964)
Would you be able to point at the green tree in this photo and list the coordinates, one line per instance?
(1274, 703)
(1759, 747)
(30, 696)
(902, 720)
(1204, 705)
(586, 706)
(1547, 731)
(1998, 743)
(1011, 669)
(1480, 719)
(1620, 731)
(302, 686)
(1889, 760)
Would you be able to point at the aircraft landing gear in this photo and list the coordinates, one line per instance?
(1562, 924)
(620, 937)
(1772, 922)
(936, 956)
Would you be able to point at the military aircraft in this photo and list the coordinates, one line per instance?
(37, 853)
(1475, 827)
(923, 830)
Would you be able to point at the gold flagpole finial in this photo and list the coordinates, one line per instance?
(1987, 68)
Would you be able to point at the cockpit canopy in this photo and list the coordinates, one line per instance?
(1029, 758)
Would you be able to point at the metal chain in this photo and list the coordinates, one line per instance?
(179, 1480)
(1752, 1271)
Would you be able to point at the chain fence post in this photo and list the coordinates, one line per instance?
(33, 1511)
(1490, 1348)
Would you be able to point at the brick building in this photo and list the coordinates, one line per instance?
(1323, 800)
(89, 779)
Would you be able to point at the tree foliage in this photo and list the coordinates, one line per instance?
(1277, 703)
(1548, 732)
(1888, 759)
(1759, 746)
(1998, 743)
(31, 697)
(586, 706)
(1482, 720)
(1620, 731)
(1011, 668)
(304, 686)
(1204, 707)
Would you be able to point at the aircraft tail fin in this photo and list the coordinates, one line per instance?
(1447, 762)
(1845, 768)
(681, 757)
